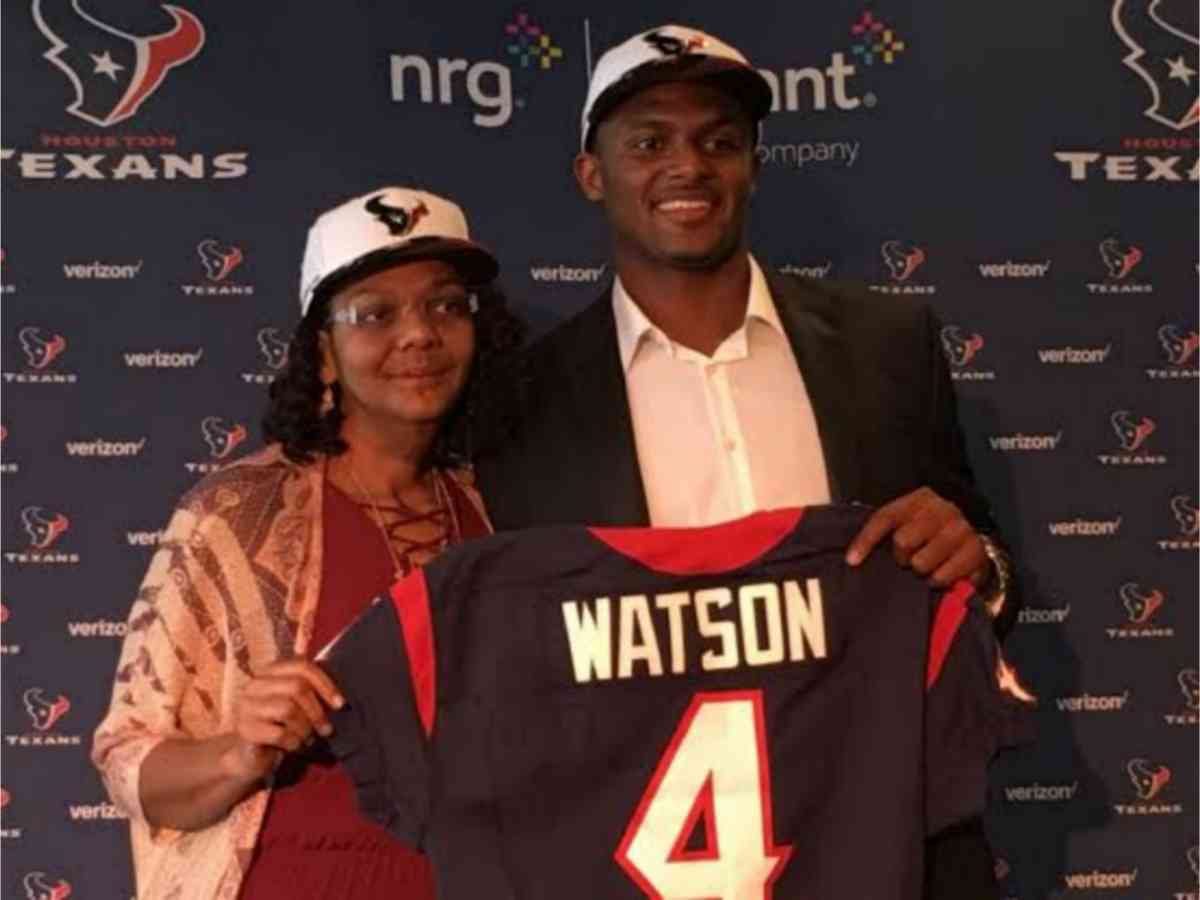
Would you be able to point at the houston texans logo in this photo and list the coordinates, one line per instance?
(1166, 58)
(1140, 606)
(43, 531)
(218, 261)
(40, 348)
(399, 221)
(1147, 781)
(1186, 514)
(902, 259)
(221, 439)
(1178, 346)
(38, 888)
(1131, 434)
(1189, 683)
(113, 72)
(274, 348)
(960, 347)
(1119, 259)
(669, 45)
(1193, 855)
(43, 712)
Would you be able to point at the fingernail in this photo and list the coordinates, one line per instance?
(339, 701)
(853, 558)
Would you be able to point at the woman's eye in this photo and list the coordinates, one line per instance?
(452, 307)
(375, 315)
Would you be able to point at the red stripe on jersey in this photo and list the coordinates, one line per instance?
(410, 596)
(951, 611)
(702, 551)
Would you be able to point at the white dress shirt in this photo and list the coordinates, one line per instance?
(721, 436)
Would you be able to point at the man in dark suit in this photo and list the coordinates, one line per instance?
(701, 388)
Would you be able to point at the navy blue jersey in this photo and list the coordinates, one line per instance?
(725, 712)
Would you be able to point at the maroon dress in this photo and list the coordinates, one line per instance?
(313, 842)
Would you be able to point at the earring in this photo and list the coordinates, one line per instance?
(327, 400)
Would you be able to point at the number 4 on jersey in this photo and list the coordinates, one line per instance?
(715, 771)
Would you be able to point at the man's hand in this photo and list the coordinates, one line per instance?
(929, 536)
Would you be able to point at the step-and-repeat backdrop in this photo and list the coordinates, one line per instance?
(1029, 168)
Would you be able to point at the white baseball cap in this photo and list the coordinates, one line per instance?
(671, 53)
(388, 226)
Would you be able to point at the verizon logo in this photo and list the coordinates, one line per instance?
(1082, 881)
(1093, 703)
(99, 270)
(819, 270)
(1085, 527)
(1041, 793)
(88, 812)
(1010, 269)
(554, 274)
(1074, 356)
(1007, 443)
(99, 628)
(105, 448)
(1044, 615)
(143, 538)
(163, 359)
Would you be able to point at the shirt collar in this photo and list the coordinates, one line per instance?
(633, 326)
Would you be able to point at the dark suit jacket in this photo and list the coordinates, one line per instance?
(873, 367)
(885, 411)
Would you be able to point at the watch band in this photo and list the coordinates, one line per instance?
(996, 586)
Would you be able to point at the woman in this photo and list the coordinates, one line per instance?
(211, 743)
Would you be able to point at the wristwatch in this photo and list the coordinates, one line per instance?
(995, 589)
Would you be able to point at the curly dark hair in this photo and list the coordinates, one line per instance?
(484, 415)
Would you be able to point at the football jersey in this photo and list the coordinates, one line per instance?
(726, 712)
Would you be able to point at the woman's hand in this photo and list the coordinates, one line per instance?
(279, 711)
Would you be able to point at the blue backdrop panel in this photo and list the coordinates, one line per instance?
(1030, 168)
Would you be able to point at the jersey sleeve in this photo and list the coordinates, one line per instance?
(380, 734)
(974, 708)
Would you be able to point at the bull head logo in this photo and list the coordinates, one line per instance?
(40, 349)
(398, 220)
(1178, 346)
(221, 438)
(1189, 683)
(1164, 57)
(960, 347)
(1140, 606)
(113, 72)
(43, 531)
(671, 45)
(274, 348)
(1147, 781)
(1185, 514)
(38, 888)
(218, 261)
(1119, 258)
(43, 712)
(902, 259)
(1131, 434)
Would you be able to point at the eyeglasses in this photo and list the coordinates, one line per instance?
(371, 313)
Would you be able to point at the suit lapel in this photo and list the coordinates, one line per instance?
(812, 321)
(607, 488)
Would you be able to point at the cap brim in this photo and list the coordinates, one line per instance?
(471, 260)
(740, 81)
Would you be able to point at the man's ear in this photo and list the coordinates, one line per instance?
(588, 176)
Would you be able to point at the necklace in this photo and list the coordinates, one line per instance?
(445, 506)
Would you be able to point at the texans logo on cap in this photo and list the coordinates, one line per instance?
(399, 221)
